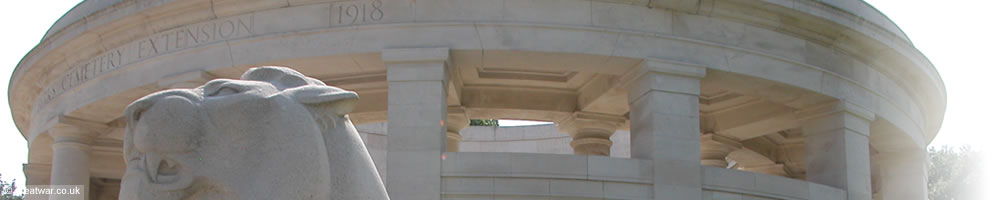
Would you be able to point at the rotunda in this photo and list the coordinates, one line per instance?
(650, 99)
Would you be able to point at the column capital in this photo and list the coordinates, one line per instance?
(75, 130)
(415, 55)
(672, 67)
(836, 107)
(834, 116)
(416, 64)
(591, 132)
(664, 76)
(580, 121)
(660, 66)
(458, 119)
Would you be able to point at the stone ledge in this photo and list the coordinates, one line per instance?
(530, 165)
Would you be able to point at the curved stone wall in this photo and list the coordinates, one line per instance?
(758, 76)
(540, 139)
(546, 139)
(473, 175)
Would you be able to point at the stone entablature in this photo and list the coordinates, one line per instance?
(65, 37)
(161, 43)
(851, 7)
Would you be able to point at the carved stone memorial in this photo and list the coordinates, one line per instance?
(273, 134)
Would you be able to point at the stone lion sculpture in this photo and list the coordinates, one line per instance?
(273, 134)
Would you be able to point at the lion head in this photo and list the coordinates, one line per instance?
(273, 134)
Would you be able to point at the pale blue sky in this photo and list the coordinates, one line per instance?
(959, 36)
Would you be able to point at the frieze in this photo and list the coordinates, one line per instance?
(141, 49)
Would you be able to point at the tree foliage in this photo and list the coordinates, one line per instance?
(7, 190)
(954, 174)
(484, 122)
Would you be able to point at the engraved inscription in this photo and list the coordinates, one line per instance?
(358, 12)
(192, 35)
(83, 72)
(160, 43)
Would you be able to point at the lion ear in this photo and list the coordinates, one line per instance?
(332, 99)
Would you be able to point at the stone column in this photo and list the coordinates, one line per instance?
(837, 147)
(416, 127)
(663, 109)
(904, 175)
(591, 132)
(36, 174)
(71, 156)
(457, 120)
(715, 148)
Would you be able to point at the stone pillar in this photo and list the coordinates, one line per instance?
(904, 175)
(663, 109)
(36, 174)
(71, 156)
(837, 147)
(416, 126)
(715, 148)
(591, 132)
(457, 120)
